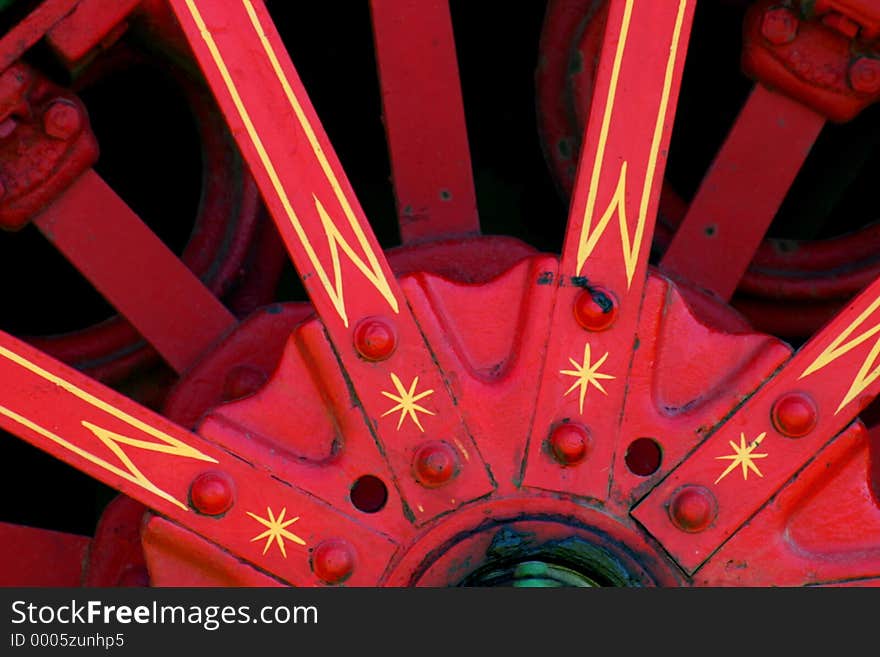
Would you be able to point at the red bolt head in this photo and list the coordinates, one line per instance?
(212, 493)
(375, 338)
(435, 463)
(243, 381)
(62, 119)
(780, 26)
(595, 309)
(692, 509)
(333, 561)
(864, 75)
(569, 443)
(794, 415)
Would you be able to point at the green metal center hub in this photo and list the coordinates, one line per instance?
(513, 560)
(536, 574)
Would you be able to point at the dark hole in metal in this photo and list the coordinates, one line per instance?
(369, 494)
(643, 456)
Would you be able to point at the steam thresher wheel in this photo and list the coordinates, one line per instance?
(461, 409)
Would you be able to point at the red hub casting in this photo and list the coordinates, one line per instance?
(685, 378)
(463, 410)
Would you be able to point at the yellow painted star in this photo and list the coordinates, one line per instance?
(406, 401)
(743, 456)
(276, 530)
(586, 374)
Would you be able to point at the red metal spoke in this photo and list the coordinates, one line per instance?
(612, 213)
(821, 528)
(302, 182)
(424, 119)
(135, 271)
(224, 498)
(94, 23)
(742, 192)
(611, 220)
(403, 394)
(771, 436)
(33, 28)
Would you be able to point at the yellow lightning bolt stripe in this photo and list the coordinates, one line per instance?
(373, 272)
(169, 445)
(590, 238)
(135, 476)
(839, 347)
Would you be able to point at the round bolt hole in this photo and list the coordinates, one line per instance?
(595, 309)
(369, 494)
(643, 456)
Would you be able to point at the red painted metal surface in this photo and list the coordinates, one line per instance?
(154, 461)
(177, 557)
(838, 268)
(39, 557)
(467, 411)
(226, 234)
(424, 118)
(836, 370)
(833, 72)
(494, 400)
(116, 556)
(327, 236)
(46, 143)
(92, 24)
(861, 12)
(611, 221)
(31, 29)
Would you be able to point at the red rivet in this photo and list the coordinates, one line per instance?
(693, 508)
(435, 463)
(595, 309)
(864, 75)
(780, 26)
(794, 415)
(569, 443)
(243, 381)
(333, 561)
(62, 119)
(375, 338)
(212, 493)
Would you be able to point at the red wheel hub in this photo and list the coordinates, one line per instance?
(523, 535)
